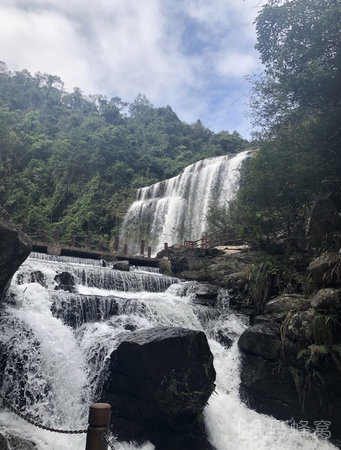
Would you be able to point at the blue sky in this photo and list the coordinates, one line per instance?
(193, 55)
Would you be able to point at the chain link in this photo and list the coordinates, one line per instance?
(36, 424)
(107, 440)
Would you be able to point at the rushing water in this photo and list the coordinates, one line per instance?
(176, 209)
(57, 345)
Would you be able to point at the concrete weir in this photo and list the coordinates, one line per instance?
(65, 250)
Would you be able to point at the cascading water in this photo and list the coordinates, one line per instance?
(176, 209)
(56, 344)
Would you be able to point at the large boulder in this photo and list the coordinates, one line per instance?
(121, 265)
(65, 281)
(191, 259)
(324, 218)
(281, 305)
(201, 293)
(325, 270)
(262, 339)
(327, 300)
(15, 246)
(159, 382)
(287, 370)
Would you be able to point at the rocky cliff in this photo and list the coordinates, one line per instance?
(15, 246)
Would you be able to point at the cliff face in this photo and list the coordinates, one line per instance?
(15, 246)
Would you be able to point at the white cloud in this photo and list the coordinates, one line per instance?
(121, 48)
(235, 64)
(44, 42)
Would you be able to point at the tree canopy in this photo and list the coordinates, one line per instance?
(296, 105)
(73, 160)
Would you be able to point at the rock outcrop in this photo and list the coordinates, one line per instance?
(65, 281)
(324, 222)
(159, 381)
(325, 270)
(121, 265)
(14, 249)
(201, 293)
(291, 366)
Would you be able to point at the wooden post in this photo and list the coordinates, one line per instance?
(116, 244)
(24, 227)
(57, 234)
(88, 241)
(73, 242)
(125, 250)
(100, 246)
(142, 248)
(166, 249)
(99, 420)
(149, 252)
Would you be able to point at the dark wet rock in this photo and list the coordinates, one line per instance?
(79, 309)
(282, 392)
(223, 339)
(206, 294)
(327, 299)
(191, 259)
(260, 319)
(121, 265)
(299, 326)
(262, 339)
(279, 307)
(15, 246)
(266, 389)
(325, 270)
(202, 293)
(159, 382)
(65, 281)
(34, 277)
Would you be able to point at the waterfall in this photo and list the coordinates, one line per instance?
(175, 210)
(57, 344)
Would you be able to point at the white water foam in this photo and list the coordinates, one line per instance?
(60, 366)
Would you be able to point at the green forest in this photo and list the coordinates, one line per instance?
(75, 161)
(296, 107)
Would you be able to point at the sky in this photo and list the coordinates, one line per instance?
(193, 55)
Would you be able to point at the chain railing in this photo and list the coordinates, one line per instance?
(34, 422)
(97, 432)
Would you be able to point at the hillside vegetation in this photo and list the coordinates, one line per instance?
(76, 160)
(296, 105)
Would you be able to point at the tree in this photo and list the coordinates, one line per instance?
(297, 105)
(299, 45)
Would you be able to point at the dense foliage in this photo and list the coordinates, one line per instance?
(75, 161)
(297, 108)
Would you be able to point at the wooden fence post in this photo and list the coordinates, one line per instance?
(99, 420)
(73, 242)
(149, 252)
(166, 249)
(142, 248)
(125, 250)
